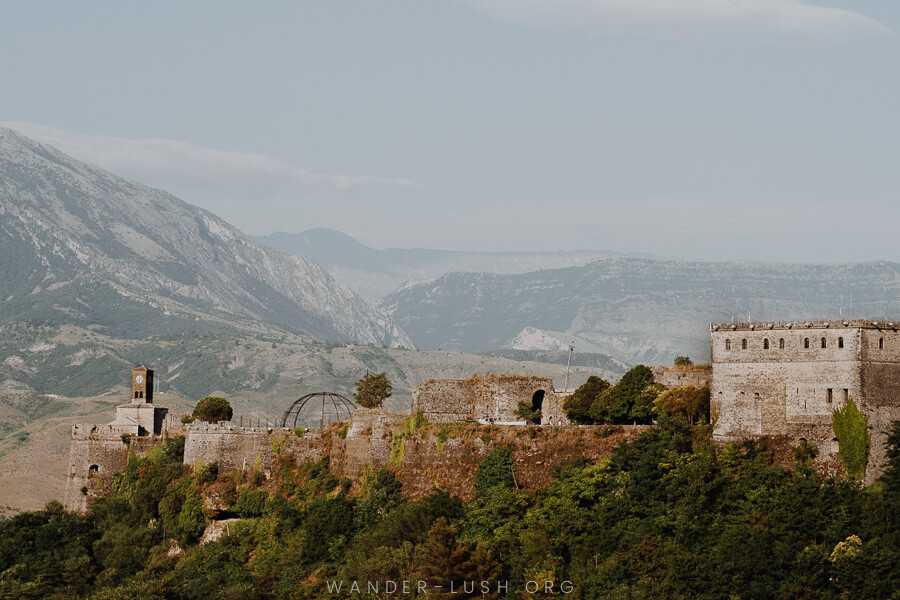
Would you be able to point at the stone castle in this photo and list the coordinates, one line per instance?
(783, 380)
(776, 381)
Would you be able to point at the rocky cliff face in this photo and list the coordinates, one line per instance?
(83, 245)
(639, 310)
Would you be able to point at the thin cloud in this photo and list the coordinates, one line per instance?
(180, 159)
(790, 17)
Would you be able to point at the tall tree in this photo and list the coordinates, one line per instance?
(578, 404)
(373, 390)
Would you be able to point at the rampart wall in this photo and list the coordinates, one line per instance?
(671, 377)
(494, 397)
(95, 455)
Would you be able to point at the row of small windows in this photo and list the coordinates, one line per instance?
(801, 400)
(806, 343)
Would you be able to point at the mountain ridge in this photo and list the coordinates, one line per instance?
(637, 309)
(376, 273)
(152, 257)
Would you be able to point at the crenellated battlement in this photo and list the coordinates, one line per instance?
(802, 325)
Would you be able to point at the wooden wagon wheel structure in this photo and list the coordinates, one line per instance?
(334, 407)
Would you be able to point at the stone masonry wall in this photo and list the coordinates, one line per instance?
(485, 396)
(93, 459)
(791, 388)
(671, 377)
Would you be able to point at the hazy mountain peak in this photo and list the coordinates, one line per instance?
(155, 258)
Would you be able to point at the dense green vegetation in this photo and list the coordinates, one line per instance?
(851, 430)
(667, 516)
(636, 398)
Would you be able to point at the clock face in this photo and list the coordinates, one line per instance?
(139, 379)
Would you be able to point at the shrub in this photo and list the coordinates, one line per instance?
(126, 438)
(525, 412)
(299, 431)
(851, 430)
(683, 361)
(208, 473)
(251, 503)
(496, 468)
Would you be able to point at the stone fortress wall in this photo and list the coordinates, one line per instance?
(768, 380)
(493, 397)
(672, 377)
(785, 379)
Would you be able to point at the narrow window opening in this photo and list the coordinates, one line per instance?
(728, 344)
(766, 344)
(846, 395)
(781, 344)
(806, 342)
(829, 397)
(840, 342)
(824, 343)
(881, 344)
(744, 344)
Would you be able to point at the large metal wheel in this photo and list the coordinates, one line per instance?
(334, 407)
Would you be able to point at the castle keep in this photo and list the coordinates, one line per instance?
(785, 379)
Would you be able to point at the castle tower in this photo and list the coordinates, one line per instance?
(142, 385)
(139, 412)
(784, 380)
(98, 451)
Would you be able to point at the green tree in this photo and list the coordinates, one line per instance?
(578, 404)
(616, 405)
(448, 566)
(688, 401)
(372, 391)
(213, 409)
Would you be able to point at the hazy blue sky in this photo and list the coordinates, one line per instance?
(750, 129)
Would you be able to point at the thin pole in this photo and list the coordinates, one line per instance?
(366, 392)
(571, 350)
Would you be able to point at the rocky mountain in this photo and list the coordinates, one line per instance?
(376, 273)
(637, 309)
(81, 245)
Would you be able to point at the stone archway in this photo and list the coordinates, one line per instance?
(537, 400)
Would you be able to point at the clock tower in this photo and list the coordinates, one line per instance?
(142, 385)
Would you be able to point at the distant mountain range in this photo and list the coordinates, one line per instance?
(636, 309)
(81, 245)
(376, 273)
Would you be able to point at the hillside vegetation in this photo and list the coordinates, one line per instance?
(666, 516)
